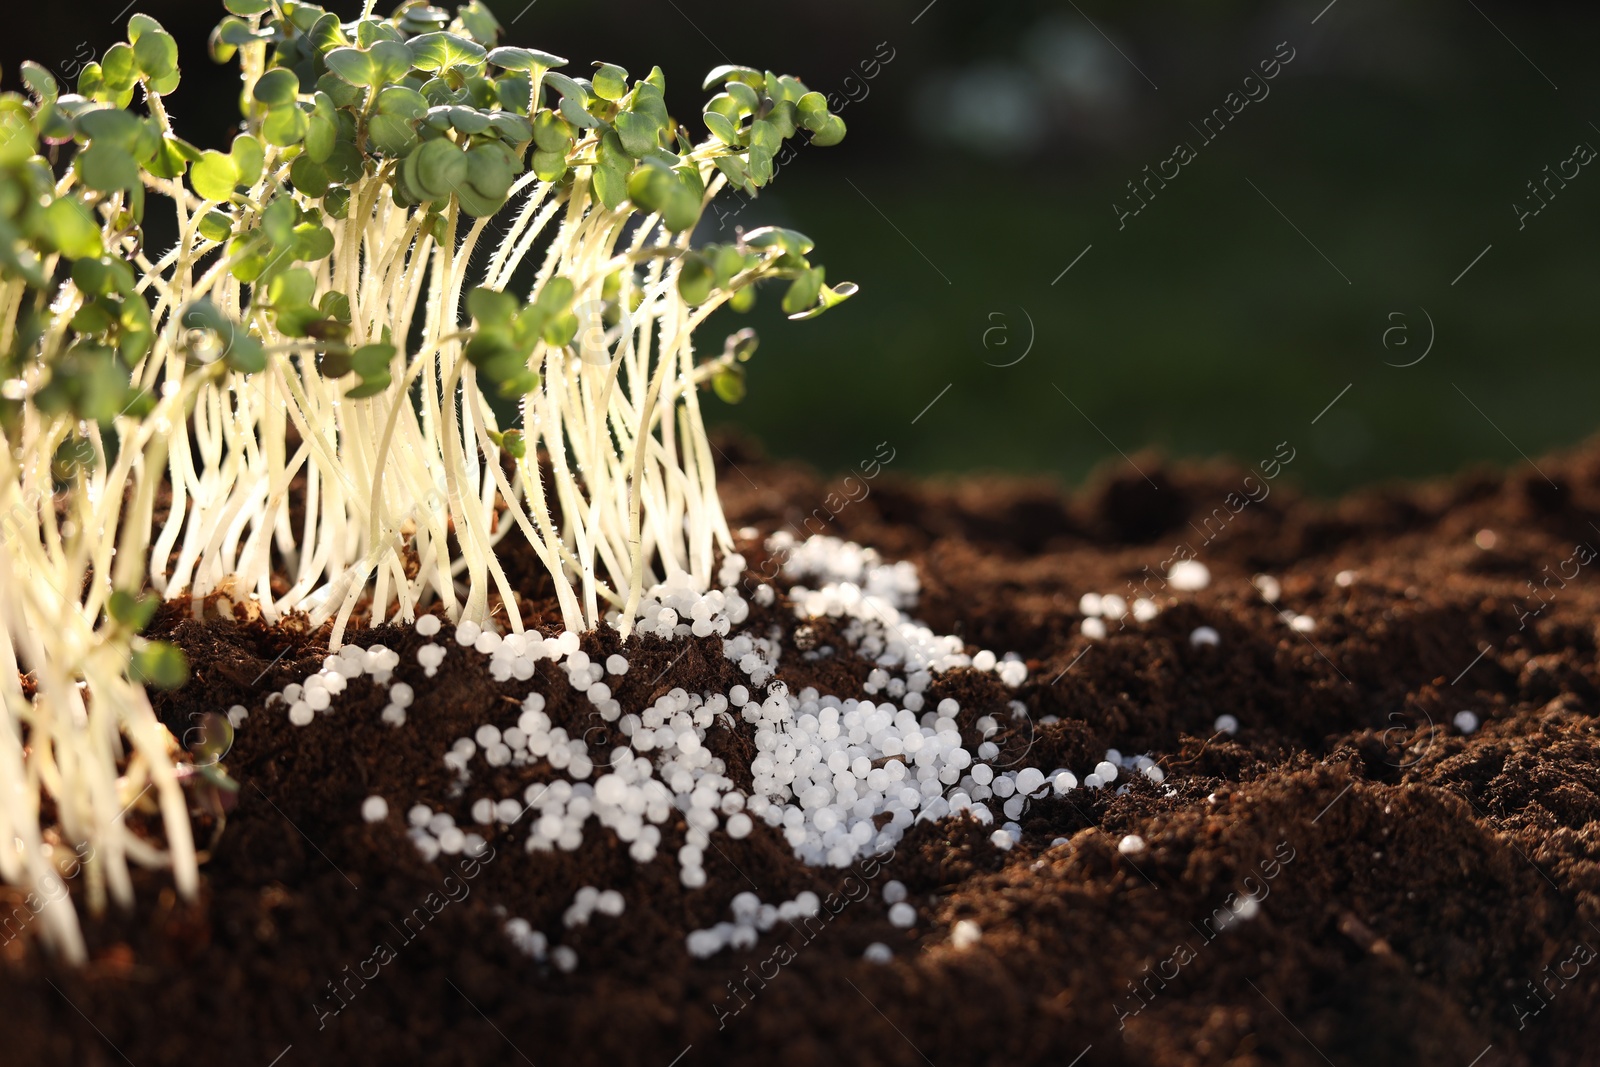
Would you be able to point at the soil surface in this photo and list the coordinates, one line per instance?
(1350, 879)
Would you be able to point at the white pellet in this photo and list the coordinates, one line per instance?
(1189, 575)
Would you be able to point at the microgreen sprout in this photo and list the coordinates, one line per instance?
(413, 221)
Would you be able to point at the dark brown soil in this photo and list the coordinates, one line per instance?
(1424, 896)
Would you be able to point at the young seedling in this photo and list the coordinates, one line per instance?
(323, 339)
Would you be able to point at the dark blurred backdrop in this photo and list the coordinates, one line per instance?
(1372, 198)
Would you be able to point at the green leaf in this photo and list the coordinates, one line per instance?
(828, 297)
(309, 176)
(792, 241)
(18, 140)
(71, 229)
(812, 111)
(312, 241)
(247, 155)
(156, 54)
(610, 81)
(515, 445)
(491, 168)
(695, 279)
(611, 185)
(297, 321)
(512, 128)
(556, 296)
(742, 344)
(162, 84)
(726, 262)
(639, 133)
(135, 329)
(284, 126)
(391, 61)
(726, 106)
(41, 83)
(102, 277)
(731, 71)
(831, 133)
(749, 103)
(436, 169)
(491, 307)
(649, 186)
(441, 51)
(722, 128)
(107, 167)
(467, 120)
(326, 33)
(577, 114)
(277, 88)
(215, 226)
(344, 164)
(132, 612)
(759, 165)
(278, 221)
(322, 132)
(214, 175)
(728, 384)
(561, 329)
(111, 126)
(421, 17)
(172, 159)
(335, 305)
(212, 336)
(569, 88)
(372, 360)
(680, 204)
(118, 68)
(246, 8)
(647, 100)
(550, 166)
(763, 134)
(782, 118)
(391, 134)
(293, 288)
(93, 318)
(351, 65)
(139, 25)
(245, 354)
(529, 59)
(369, 387)
(402, 102)
(226, 38)
(479, 21)
(552, 133)
(803, 292)
(159, 664)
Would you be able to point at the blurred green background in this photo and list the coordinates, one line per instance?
(986, 155)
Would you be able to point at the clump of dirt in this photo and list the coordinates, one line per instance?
(1350, 877)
